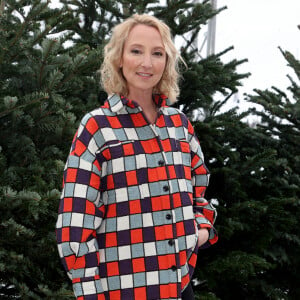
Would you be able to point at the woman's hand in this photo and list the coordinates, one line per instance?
(203, 236)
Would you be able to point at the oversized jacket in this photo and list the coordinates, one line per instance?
(132, 203)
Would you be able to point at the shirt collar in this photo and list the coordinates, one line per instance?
(117, 102)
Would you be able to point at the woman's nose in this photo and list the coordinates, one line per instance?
(147, 61)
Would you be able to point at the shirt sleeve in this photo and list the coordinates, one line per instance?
(205, 213)
(80, 215)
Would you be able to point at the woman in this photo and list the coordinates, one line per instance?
(132, 214)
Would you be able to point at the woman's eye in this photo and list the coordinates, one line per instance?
(158, 53)
(135, 51)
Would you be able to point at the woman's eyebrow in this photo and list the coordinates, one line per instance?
(154, 47)
(159, 48)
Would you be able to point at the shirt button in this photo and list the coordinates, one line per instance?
(168, 216)
(174, 268)
(161, 162)
(171, 242)
(166, 188)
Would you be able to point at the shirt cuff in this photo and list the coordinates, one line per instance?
(213, 235)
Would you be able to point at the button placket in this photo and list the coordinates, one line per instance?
(168, 189)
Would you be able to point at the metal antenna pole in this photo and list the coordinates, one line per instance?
(195, 43)
(211, 34)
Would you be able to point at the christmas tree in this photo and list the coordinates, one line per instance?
(280, 119)
(40, 83)
(255, 177)
(49, 59)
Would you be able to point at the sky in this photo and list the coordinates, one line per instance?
(256, 28)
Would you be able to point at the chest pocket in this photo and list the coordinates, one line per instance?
(115, 149)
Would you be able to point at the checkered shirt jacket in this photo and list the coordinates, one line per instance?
(132, 203)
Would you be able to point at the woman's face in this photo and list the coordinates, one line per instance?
(144, 59)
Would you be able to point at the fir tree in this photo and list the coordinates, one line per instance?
(280, 119)
(40, 82)
(48, 81)
(255, 177)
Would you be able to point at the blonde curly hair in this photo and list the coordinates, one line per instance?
(112, 78)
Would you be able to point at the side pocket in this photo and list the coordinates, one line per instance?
(194, 247)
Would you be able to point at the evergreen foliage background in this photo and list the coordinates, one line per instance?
(49, 59)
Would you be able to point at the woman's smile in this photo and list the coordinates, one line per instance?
(144, 74)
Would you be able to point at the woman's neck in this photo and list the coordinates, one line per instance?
(145, 101)
(143, 98)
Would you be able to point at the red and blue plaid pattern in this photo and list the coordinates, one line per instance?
(132, 203)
